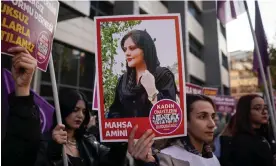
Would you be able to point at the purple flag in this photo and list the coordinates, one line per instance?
(229, 10)
(262, 43)
(46, 109)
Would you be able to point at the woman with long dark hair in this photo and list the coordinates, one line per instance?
(144, 82)
(193, 149)
(81, 146)
(251, 139)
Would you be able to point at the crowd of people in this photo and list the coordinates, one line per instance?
(246, 139)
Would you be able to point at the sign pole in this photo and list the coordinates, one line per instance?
(56, 100)
(273, 122)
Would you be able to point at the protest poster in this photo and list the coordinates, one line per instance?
(30, 24)
(140, 74)
(193, 88)
(224, 103)
(210, 91)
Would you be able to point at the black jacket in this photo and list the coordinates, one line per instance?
(225, 150)
(135, 103)
(21, 143)
(91, 151)
(251, 150)
(25, 145)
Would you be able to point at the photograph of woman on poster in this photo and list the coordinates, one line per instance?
(145, 82)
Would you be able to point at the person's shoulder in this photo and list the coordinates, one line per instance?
(245, 141)
(173, 155)
(164, 73)
(163, 69)
(176, 152)
(243, 138)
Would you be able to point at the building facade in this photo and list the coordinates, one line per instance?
(204, 43)
(242, 78)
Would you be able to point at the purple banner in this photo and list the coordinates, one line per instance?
(224, 103)
(193, 89)
(46, 109)
(30, 24)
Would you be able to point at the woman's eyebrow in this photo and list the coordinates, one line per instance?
(257, 105)
(203, 112)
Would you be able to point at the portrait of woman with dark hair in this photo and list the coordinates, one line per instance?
(145, 82)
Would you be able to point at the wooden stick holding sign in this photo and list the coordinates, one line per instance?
(56, 100)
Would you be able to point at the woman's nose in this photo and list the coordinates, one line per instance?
(127, 52)
(212, 123)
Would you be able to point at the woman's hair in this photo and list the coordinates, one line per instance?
(243, 122)
(228, 130)
(191, 99)
(68, 100)
(143, 41)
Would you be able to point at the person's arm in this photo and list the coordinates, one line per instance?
(166, 87)
(116, 107)
(161, 87)
(22, 141)
(115, 153)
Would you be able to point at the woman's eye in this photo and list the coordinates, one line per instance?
(132, 48)
(202, 117)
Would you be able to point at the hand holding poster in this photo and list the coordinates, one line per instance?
(30, 24)
(140, 72)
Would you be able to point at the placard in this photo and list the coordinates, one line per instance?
(140, 76)
(193, 88)
(210, 91)
(224, 103)
(30, 24)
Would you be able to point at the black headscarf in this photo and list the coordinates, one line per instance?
(143, 41)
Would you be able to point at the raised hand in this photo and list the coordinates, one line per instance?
(141, 150)
(23, 67)
(148, 82)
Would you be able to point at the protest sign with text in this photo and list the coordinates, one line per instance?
(138, 83)
(224, 103)
(210, 91)
(193, 88)
(30, 24)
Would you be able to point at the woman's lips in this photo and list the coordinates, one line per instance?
(129, 59)
(78, 121)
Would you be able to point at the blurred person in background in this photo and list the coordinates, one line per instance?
(251, 143)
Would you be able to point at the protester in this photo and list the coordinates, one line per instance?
(251, 138)
(145, 81)
(22, 139)
(193, 150)
(81, 146)
(23, 144)
(223, 143)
